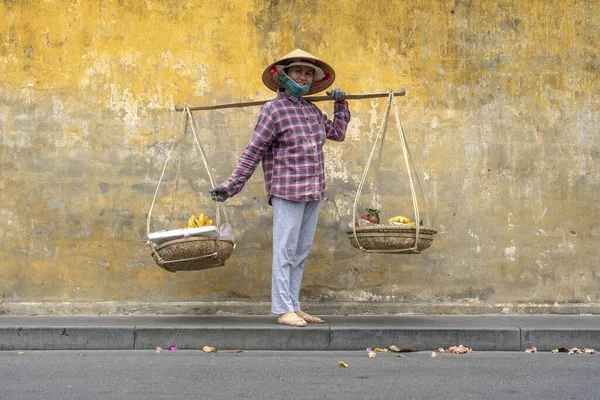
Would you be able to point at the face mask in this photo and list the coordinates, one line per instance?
(290, 85)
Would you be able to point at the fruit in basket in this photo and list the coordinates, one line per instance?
(369, 218)
(401, 219)
(192, 222)
(199, 222)
(372, 216)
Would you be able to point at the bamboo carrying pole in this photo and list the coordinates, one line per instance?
(399, 92)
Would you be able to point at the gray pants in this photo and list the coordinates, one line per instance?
(294, 225)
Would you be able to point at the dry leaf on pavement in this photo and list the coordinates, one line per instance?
(396, 349)
(460, 349)
(400, 356)
(575, 350)
(372, 354)
(208, 349)
(588, 350)
(378, 350)
(560, 350)
(159, 349)
(342, 364)
(531, 350)
(236, 351)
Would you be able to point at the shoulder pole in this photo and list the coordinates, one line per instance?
(399, 92)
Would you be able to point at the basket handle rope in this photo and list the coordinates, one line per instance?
(408, 162)
(186, 116)
(382, 128)
(177, 177)
(175, 142)
(204, 160)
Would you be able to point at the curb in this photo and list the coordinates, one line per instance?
(481, 333)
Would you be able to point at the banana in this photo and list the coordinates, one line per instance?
(200, 221)
(399, 218)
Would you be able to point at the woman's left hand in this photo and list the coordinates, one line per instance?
(337, 94)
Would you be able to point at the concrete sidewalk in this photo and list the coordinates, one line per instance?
(481, 333)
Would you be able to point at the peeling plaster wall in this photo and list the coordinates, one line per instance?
(501, 114)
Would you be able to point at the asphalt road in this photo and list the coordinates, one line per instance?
(137, 374)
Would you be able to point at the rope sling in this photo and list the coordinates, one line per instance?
(391, 238)
(196, 252)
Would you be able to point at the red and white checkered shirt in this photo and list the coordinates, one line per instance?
(288, 139)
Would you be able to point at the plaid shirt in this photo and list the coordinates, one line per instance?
(288, 139)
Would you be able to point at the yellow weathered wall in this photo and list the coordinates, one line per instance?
(501, 113)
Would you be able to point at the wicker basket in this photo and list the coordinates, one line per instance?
(391, 238)
(192, 254)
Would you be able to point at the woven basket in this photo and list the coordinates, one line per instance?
(391, 238)
(192, 254)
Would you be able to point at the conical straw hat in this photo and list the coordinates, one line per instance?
(272, 82)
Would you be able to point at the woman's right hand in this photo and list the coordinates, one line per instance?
(218, 194)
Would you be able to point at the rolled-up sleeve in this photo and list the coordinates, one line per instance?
(336, 129)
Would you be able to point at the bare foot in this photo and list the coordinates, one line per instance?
(291, 319)
(309, 318)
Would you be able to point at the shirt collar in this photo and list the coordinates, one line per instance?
(289, 97)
